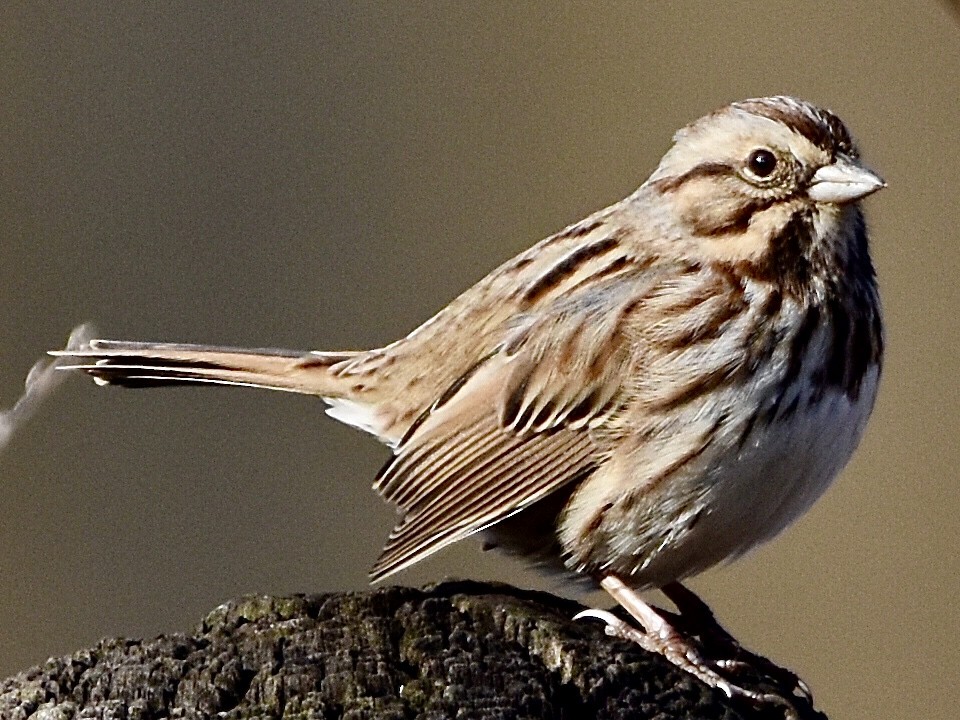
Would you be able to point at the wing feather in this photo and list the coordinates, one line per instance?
(514, 429)
(488, 493)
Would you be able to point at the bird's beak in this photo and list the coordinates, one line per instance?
(843, 181)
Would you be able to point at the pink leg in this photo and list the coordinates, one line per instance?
(658, 635)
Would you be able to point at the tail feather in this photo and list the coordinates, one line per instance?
(144, 364)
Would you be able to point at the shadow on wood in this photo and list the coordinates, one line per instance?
(454, 650)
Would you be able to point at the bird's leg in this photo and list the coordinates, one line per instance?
(658, 634)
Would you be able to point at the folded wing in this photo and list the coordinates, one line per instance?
(521, 424)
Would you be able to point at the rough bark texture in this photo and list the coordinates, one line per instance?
(455, 650)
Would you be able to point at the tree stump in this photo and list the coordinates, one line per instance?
(453, 650)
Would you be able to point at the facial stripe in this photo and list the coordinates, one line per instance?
(787, 262)
(733, 225)
(703, 170)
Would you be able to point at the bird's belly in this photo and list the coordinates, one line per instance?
(752, 490)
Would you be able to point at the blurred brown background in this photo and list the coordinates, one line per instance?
(306, 175)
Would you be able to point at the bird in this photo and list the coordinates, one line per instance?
(649, 392)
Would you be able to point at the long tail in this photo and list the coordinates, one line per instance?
(144, 364)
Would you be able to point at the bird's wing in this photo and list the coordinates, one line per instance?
(509, 432)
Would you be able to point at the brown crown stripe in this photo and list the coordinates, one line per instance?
(568, 267)
(825, 130)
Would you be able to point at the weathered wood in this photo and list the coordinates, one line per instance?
(454, 650)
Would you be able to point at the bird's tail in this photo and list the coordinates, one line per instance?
(145, 364)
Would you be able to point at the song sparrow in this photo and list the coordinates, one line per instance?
(651, 391)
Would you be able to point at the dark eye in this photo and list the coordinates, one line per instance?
(762, 163)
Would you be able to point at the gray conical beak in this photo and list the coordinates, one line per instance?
(843, 181)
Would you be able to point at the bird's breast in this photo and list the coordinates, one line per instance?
(711, 470)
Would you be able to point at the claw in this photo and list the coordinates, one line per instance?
(608, 617)
(656, 634)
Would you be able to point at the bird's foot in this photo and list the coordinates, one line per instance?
(694, 647)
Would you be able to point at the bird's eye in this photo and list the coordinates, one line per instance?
(762, 163)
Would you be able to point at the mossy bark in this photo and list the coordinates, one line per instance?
(454, 650)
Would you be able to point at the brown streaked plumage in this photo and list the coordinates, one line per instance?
(651, 391)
